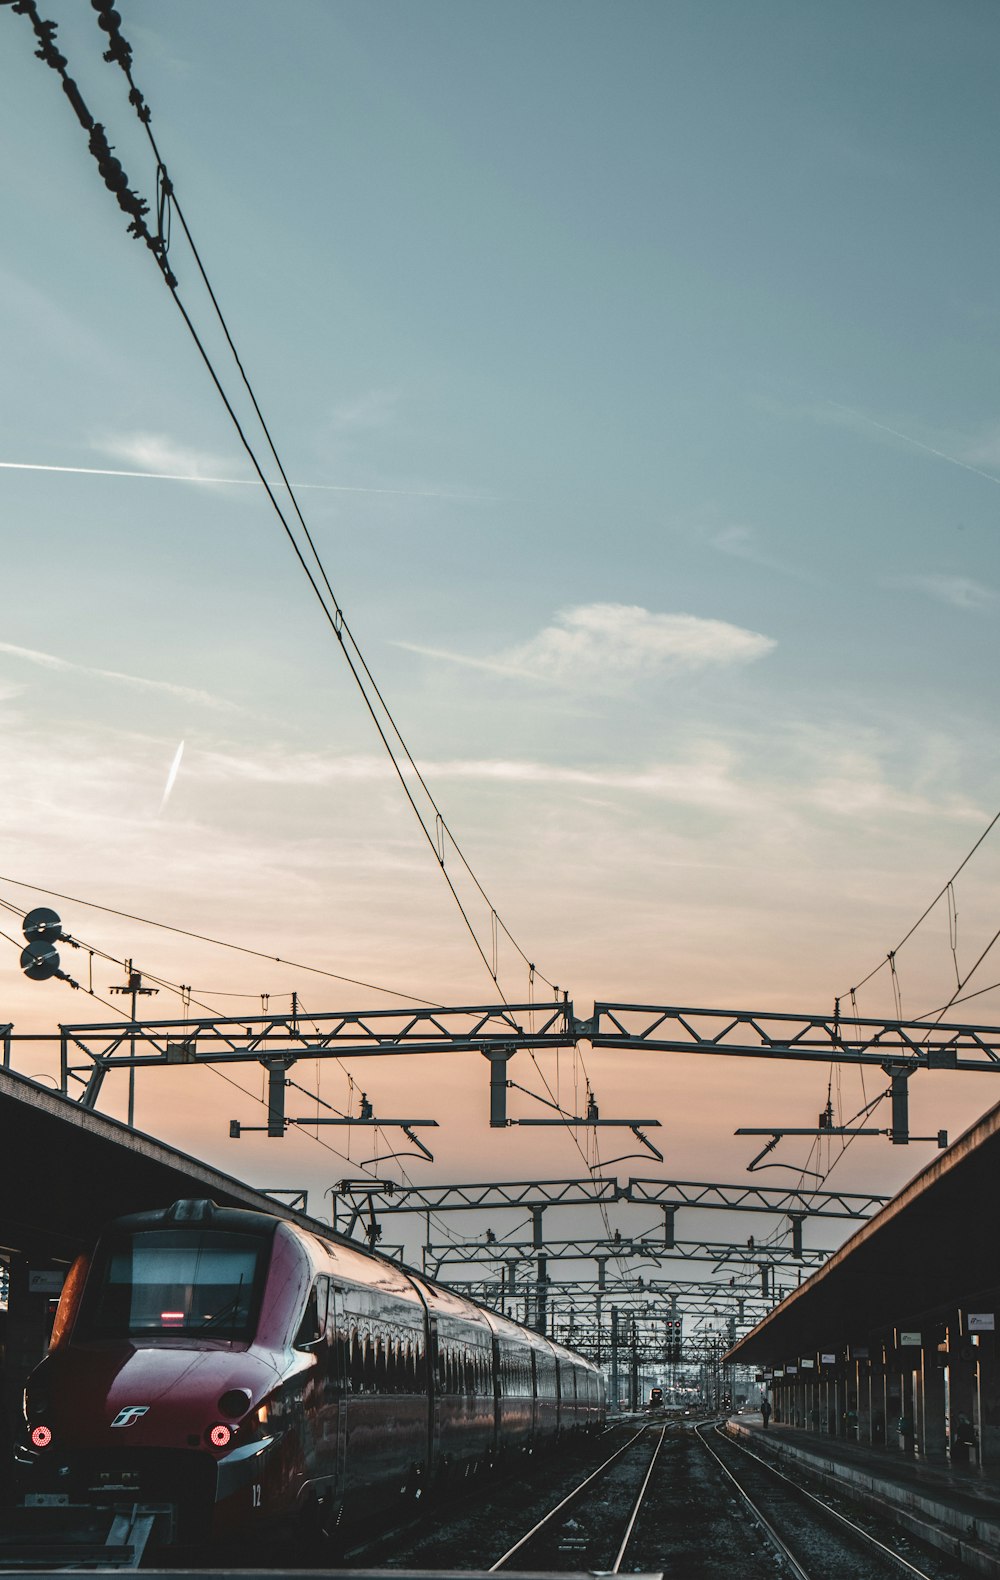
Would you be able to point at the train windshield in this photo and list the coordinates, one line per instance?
(177, 1281)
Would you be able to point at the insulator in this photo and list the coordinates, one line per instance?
(113, 174)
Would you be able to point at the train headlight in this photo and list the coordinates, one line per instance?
(235, 1401)
(220, 1435)
(41, 1436)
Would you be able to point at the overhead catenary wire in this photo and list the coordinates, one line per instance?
(434, 827)
(121, 1013)
(402, 761)
(220, 943)
(890, 954)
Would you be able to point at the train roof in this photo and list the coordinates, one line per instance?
(197, 1214)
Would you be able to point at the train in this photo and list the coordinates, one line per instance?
(253, 1376)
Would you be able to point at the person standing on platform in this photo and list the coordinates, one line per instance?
(765, 1412)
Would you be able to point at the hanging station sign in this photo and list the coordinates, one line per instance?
(980, 1321)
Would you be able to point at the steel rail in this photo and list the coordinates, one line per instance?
(564, 1502)
(782, 1549)
(855, 1529)
(616, 1566)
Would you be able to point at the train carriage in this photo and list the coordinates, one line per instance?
(253, 1374)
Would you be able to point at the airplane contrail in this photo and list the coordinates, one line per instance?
(171, 776)
(230, 482)
(942, 455)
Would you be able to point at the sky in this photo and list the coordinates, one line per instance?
(639, 363)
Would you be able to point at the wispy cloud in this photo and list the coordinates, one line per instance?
(53, 661)
(961, 592)
(171, 777)
(719, 775)
(158, 459)
(156, 454)
(374, 408)
(744, 543)
(608, 644)
(835, 412)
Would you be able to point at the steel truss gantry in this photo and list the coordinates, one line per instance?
(498, 1032)
(620, 1289)
(817, 1039)
(385, 1197)
(719, 1253)
(278, 1041)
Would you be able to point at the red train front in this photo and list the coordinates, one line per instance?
(252, 1375)
(168, 1347)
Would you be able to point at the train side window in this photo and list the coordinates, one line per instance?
(309, 1328)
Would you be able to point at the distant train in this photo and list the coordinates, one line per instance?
(252, 1375)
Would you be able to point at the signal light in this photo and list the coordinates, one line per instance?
(219, 1435)
(41, 1436)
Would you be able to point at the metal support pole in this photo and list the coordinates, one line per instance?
(615, 1386)
(900, 1077)
(796, 1219)
(541, 1292)
(276, 1094)
(669, 1214)
(499, 1059)
(538, 1241)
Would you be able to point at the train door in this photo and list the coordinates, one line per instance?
(534, 1393)
(558, 1403)
(433, 1396)
(497, 1421)
(337, 1340)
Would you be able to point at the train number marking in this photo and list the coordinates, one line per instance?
(255, 1495)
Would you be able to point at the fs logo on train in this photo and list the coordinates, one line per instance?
(130, 1415)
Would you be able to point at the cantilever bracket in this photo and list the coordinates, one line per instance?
(646, 1142)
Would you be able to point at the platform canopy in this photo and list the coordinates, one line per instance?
(933, 1248)
(66, 1171)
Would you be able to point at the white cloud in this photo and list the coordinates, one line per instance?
(51, 661)
(628, 641)
(961, 592)
(607, 644)
(156, 453)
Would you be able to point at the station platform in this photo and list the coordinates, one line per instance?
(953, 1508)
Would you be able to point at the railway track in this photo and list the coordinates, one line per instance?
(815, 1541)
(664, 1497)
(601, 1541)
